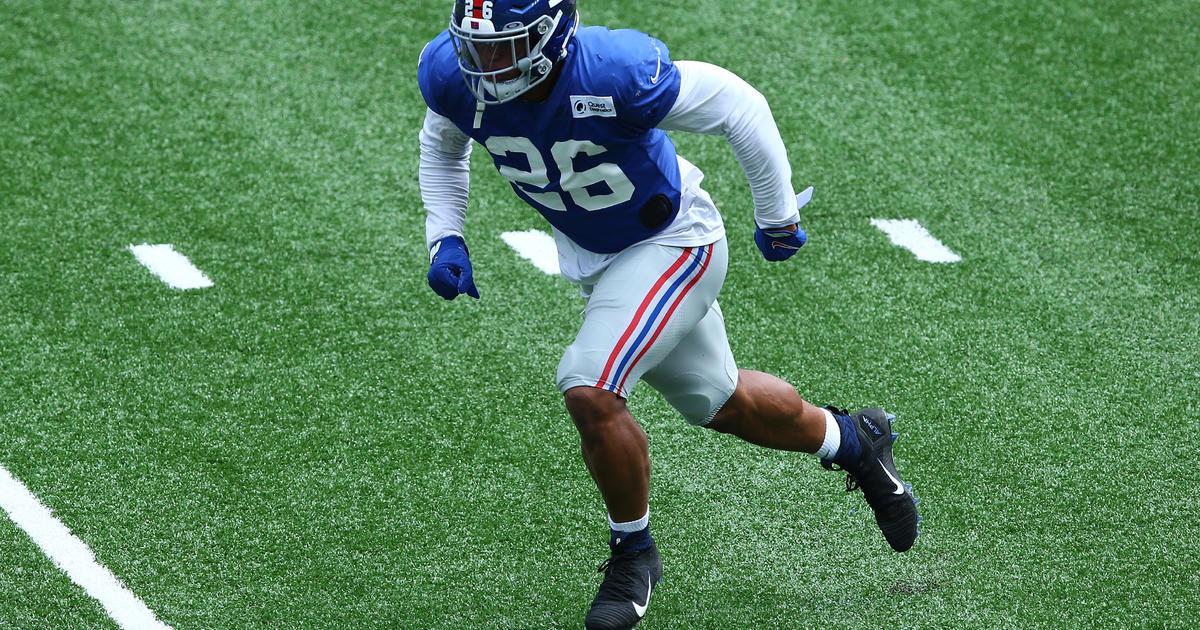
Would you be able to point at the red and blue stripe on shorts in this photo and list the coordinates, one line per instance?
(652, 316)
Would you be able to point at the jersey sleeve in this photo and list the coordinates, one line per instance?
(444, 175)
(444, 168)
(713, 100)
(652, 80)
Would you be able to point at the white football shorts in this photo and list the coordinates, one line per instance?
(653, 315)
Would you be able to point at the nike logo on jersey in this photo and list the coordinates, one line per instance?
(641, 610)
(658, 68)
(899, 486)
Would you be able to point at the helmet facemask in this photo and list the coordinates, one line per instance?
(500, 65)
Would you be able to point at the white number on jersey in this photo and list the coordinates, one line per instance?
(572, 182)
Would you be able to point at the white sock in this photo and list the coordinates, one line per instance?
(631, 526)
(833, 438)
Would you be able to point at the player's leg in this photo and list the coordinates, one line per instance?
(648, 299)
(700, 379)
(617, 456)
(614, 449)
(766, 410)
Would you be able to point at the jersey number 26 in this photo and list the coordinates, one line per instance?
(573, 183)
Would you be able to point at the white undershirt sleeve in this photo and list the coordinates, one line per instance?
(714, 101)
(445, 177)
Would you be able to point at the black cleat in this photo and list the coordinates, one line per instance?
(875, 473)
(629, 579)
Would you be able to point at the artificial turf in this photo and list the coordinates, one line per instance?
(319, 441)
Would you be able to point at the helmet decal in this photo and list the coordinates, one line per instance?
(481, 9)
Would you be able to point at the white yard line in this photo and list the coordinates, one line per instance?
(535, 246)
(73, 556)
(909, 234)
(171, 266)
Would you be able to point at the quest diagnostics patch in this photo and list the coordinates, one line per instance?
(587, 106)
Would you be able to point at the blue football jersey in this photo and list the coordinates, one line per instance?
(589, 157)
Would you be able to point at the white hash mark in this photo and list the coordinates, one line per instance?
(71, 555)
(535, 246)
(171, 266)
(909, 234)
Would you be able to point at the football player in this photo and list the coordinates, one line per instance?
(575, 120)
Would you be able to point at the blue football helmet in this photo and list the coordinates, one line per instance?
(506, 47)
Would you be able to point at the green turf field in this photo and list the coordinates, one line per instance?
(319, 441)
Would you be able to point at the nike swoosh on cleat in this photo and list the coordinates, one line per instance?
(641, 610)
(899, 486)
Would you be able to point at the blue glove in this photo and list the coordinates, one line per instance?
(450, 270)
(780, 243)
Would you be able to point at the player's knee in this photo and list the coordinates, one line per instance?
(592, 408)
(729, 418)
(724, 422)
